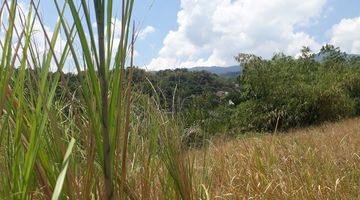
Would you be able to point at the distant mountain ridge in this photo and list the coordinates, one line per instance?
(236, 69)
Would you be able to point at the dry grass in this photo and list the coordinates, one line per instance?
(315, 163)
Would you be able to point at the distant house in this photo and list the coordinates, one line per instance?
(221, 94)
(231, 103)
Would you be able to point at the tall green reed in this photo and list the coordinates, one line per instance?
(98, 142)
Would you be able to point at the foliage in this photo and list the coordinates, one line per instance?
(177, 88)
(272, 95)
(284, 92)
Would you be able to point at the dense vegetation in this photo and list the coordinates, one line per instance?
(284, 92)
(269, 95)
(176, 88)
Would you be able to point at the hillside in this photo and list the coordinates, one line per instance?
(313, 163)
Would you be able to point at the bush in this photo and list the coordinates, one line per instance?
(352, 85)
(284, 92)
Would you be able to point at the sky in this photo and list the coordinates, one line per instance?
(188, 33)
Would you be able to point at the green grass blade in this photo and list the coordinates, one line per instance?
(62, 175)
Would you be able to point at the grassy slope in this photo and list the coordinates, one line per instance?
(315, 163)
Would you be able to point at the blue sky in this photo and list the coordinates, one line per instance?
(334, 11)
(160, 14)
(186, 33)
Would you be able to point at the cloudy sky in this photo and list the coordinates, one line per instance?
(186, 33)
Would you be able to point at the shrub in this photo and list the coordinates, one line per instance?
(284, 92)
(352, 85)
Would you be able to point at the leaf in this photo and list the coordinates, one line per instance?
(62, 175)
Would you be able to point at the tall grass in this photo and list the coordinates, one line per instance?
(313, 163)
(104, 141)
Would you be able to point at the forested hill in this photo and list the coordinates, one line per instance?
(181, 85)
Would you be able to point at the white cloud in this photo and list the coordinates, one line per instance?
(346, 35)
(146, 32)
(212, 32)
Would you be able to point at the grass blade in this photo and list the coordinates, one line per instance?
(62, 175)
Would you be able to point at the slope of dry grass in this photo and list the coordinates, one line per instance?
(315, 163)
